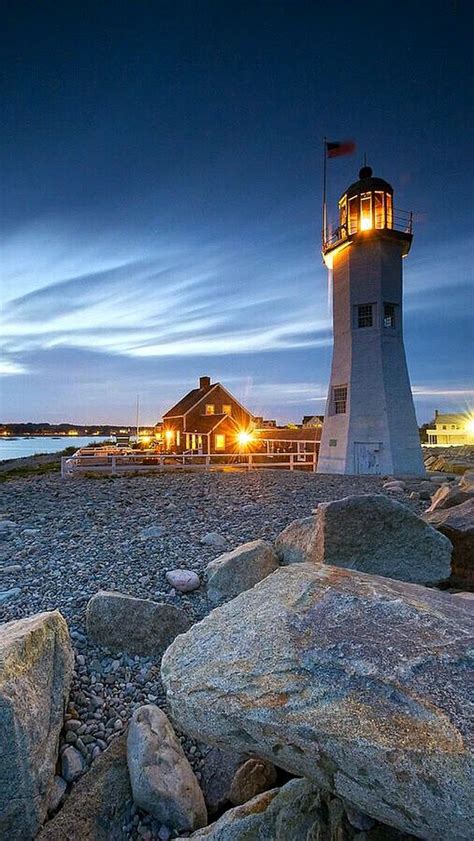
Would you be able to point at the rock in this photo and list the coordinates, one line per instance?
(447, 496)
(163, 782)
(359, 683)
(214, 539)
(457, 523)
(293, 544)
(72, 764)
(7, 595)
(133, 626)
(233, 572)
(358, 819)
(395, 486)
(217, 772)
(57, 793)
(183, 580)
(380, 536)
(253, 777)
(469, 597)
(466, 482)
(96, 805)
(36, 662)
(298, 811)
(151, 531)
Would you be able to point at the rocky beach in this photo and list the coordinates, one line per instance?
(62, 542)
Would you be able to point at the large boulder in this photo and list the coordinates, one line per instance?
(231, 573)
(466, 482)
(294, 544)
(359, 683)
(95, 808)
(458, 525)
(373, 534)
(163, 782)
(36, 663)
(134, 626)
(449, 495)
(298, 811)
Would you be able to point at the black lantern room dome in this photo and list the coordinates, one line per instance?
(368, 183)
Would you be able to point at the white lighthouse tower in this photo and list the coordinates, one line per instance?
(369, 424)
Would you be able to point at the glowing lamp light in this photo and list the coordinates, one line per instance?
(145, 439)
(365, 222)
(244, 438)
(169, 435)
(470, 426)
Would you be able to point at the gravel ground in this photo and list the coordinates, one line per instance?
(72, 538)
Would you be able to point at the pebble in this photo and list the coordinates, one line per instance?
(72, 764)
(183, 580)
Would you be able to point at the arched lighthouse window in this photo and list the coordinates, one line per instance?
(343, 216)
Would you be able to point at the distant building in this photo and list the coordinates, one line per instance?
(312, 421)
(264, 423)
(451, 430)
(209, 419)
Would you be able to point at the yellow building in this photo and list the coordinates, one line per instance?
(452, 430)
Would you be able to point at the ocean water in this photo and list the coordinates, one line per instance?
(20, 447)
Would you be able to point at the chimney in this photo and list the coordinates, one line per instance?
(436, 413)
(204, 382)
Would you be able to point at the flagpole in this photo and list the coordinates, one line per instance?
(324, 189)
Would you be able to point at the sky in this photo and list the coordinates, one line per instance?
(161, 169)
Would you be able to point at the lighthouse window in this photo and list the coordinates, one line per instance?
(353, 214)
(340, 399)
(365, 211)
(379, 210)
(343, 216)
(365, 315)
(388, 201)
(389, 315)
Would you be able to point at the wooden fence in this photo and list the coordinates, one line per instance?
(110, 462)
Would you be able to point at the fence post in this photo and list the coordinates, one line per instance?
(314, 461)
(162, 464)
(208, 462)
(250, 461)
(63, 466)
(114, 470)
(292, 461)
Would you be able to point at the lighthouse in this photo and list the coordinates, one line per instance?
(370, 424)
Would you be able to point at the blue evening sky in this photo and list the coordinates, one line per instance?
(161, 197)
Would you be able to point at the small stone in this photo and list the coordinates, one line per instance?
(72, 764)
(212, 538)
(151, 531)
(253, 777)
(183, 580)
(8, 595)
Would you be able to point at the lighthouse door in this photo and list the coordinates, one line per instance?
(366, 458)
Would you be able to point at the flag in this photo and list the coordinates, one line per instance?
(335, 148)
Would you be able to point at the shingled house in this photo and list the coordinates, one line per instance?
(206, 420)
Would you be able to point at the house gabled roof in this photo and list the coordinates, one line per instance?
(188, 401)
(192, 398)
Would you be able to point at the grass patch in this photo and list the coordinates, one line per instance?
(29, 470)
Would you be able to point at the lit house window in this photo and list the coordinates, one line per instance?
(210, 409)
(220, 442)
(389, 315)
(365, 315)
(340, 399)
(227, 409)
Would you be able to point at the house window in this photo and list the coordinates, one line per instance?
(339, 397)
(227, 409)
(389, 315)
(178, 438)
(365, 315)
(219, 442)
(210, 409)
